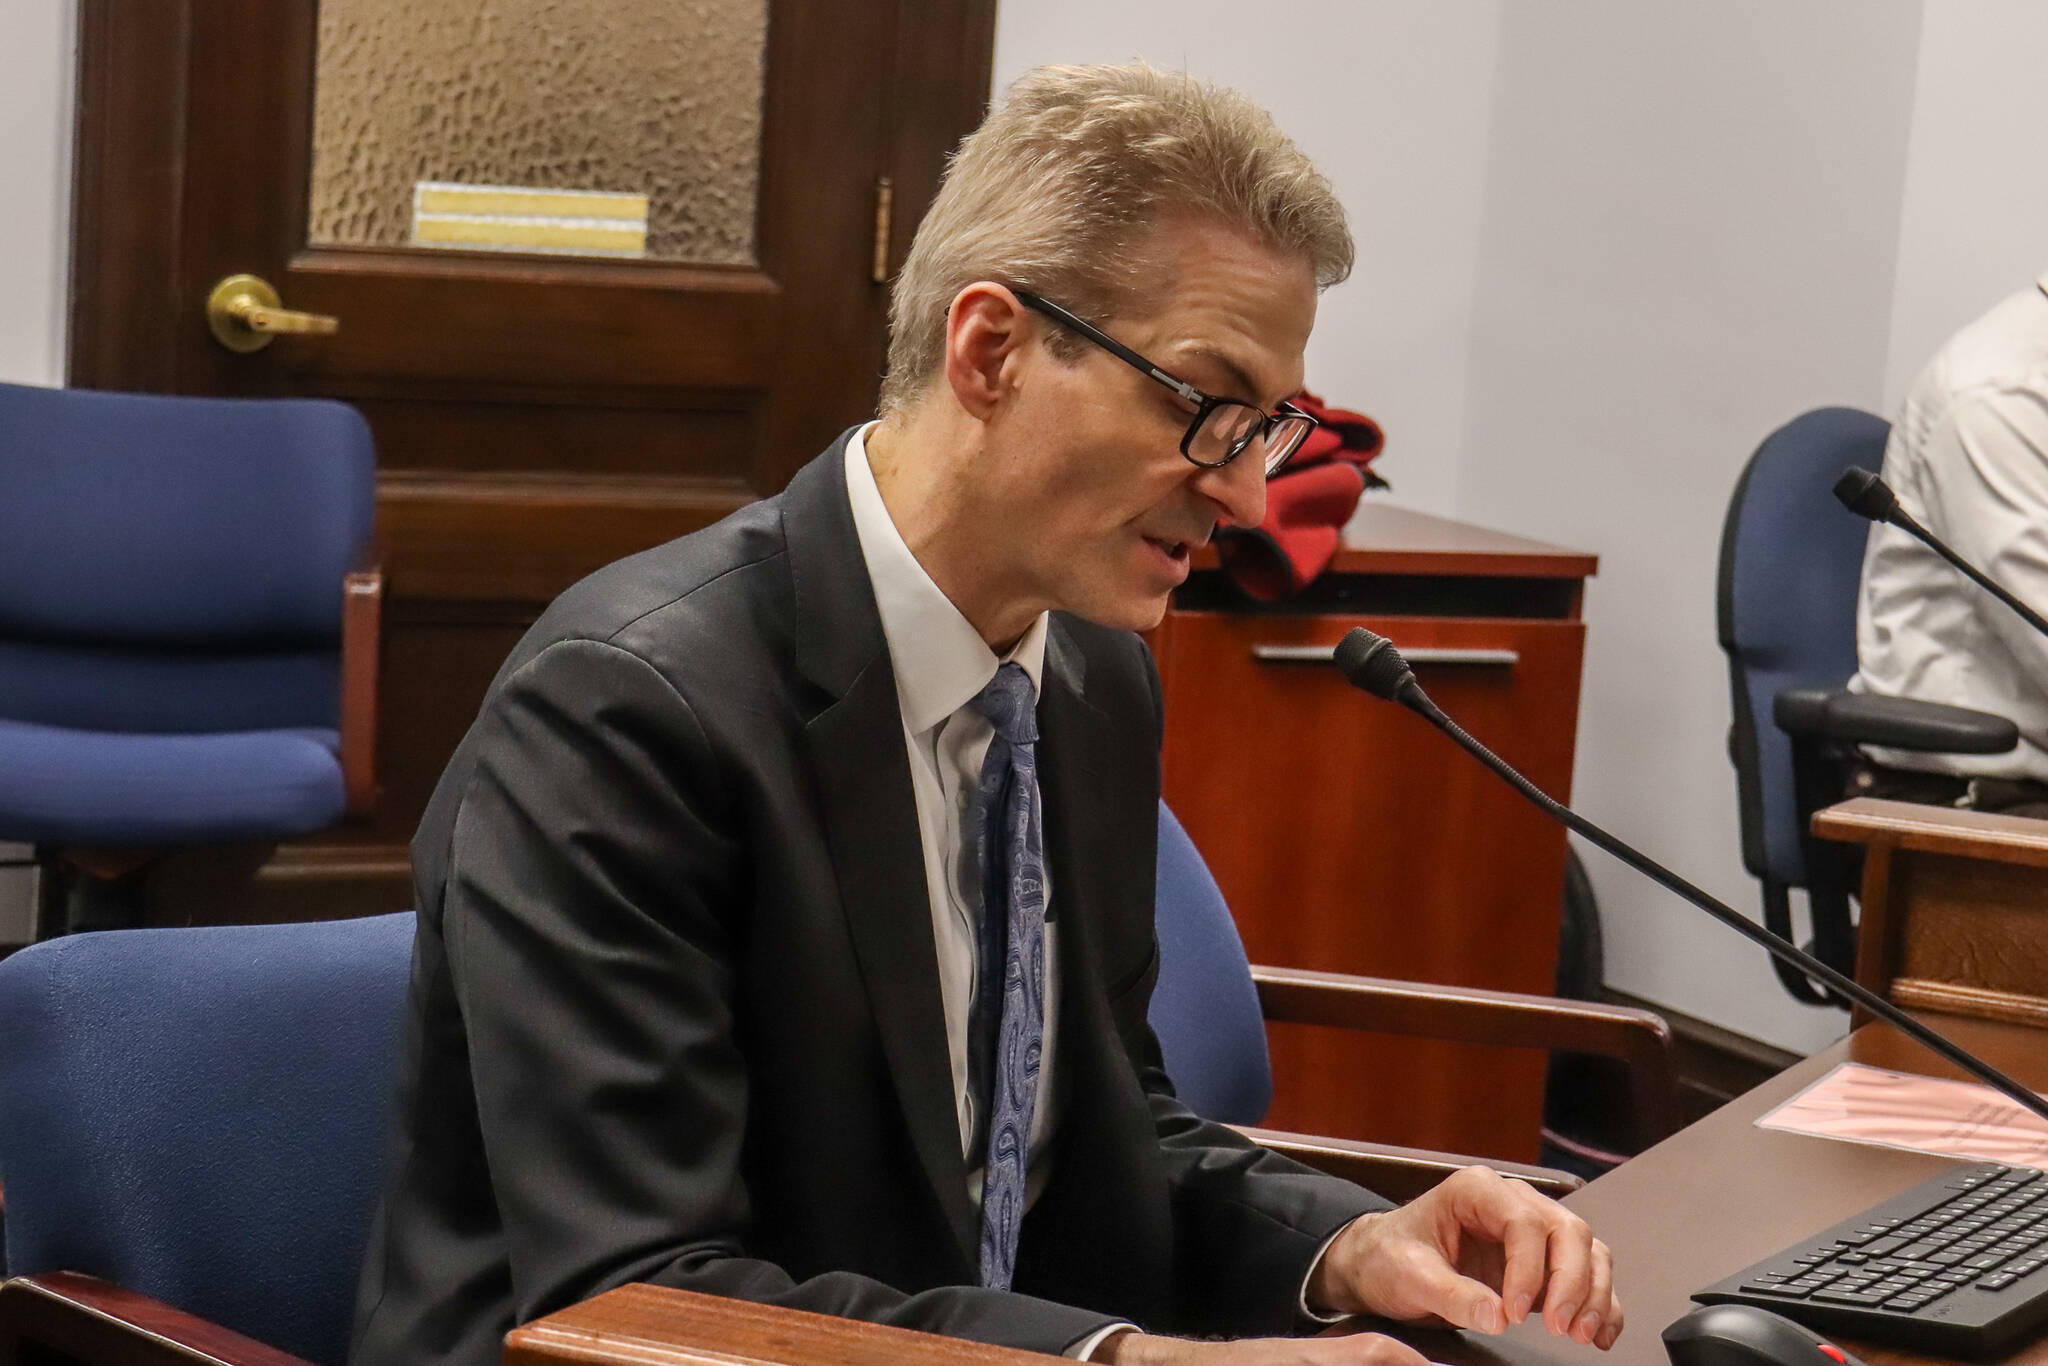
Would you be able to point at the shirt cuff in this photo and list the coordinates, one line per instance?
(1301, 1301)
(1084, 1350)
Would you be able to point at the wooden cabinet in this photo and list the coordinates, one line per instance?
(1348, 835)
(1955, 905)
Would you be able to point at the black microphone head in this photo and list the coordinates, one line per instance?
(1371, 662)
(1866, 495)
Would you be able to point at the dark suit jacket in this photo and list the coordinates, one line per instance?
(675, 1003)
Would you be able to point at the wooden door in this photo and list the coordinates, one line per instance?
(536, 416)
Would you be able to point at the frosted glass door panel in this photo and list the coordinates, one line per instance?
(608, 98)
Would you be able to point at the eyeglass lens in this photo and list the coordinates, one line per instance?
(1231, 428)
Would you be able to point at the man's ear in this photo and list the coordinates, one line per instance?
(985, 330)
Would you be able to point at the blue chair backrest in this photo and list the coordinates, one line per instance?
(155, 550)
(1204, 1007)
(1791, 562)
(199, 1114)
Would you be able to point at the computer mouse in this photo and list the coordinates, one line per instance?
(1743, 1335)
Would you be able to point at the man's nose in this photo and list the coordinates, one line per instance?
(1238, 489)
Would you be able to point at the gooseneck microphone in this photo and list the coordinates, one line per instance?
(1371, 663)
(1866, 495)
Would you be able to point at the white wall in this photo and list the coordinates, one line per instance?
(1390, 99)
(1975, 226)
(1604, 247)
(1690, 231)
(36, 45)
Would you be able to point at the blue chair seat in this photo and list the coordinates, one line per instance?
(78, 787)
(198, 1115)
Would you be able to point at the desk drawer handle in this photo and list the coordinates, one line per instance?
(1421, 654)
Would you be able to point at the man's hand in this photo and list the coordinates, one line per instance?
(1479, 1251)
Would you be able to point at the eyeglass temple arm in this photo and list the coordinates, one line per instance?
(1111, 345)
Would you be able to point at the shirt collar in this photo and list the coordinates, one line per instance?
(941, 661)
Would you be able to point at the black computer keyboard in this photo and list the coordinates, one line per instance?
(1957, 1266)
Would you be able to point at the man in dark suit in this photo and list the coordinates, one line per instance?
(786, 917)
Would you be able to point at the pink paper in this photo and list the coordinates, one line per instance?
(1863, 1104)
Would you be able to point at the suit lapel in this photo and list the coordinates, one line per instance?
(870, 821)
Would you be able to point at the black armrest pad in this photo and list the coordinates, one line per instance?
(1895, 722)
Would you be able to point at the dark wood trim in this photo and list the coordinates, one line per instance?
(362, 631)
(1501, 1019)
(1714, 1065)
(67, 1317)
(1400, 1174)
(127, 187)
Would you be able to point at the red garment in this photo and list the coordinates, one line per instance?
(1307, 505)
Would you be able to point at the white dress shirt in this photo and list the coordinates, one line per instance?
(941, 665)
(1968, 458)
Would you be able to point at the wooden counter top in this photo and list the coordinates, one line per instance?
(1384, 539)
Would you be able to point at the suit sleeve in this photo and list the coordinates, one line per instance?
(1249, 1223)
(595, 876)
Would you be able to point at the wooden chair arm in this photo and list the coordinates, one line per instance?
(362, 626)
(654, 1325)
(1400, 1174)
(63, 1316)
(1504, 1019)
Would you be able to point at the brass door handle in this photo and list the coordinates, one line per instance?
(243, 315)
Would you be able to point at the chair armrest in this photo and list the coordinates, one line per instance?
(362, 627)
(1400, 1174)
(1503, 1019)
(63, 1316)
(1895, 722)
(656, 1325)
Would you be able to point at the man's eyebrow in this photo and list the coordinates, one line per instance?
(1240, 378)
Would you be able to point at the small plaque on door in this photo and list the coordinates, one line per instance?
(513, 218)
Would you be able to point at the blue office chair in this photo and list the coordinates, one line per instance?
(1210, 1008)
(188, 623)
(1790, 571)
(193, 1119)
(198, 1116)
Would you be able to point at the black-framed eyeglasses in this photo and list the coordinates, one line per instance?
(1222, 428)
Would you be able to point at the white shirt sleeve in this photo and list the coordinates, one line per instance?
(1084, 1350)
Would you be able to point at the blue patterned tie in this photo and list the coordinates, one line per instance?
(1011, 844)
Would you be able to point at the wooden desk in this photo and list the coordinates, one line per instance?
(1955, 907)
(1348, 836)
(1697, 1207)
(1724, 1194)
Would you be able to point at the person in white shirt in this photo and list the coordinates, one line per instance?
(1968, 458)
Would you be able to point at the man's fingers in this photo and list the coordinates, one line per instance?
(1458, 1300)
(1571, 1274)
(1525, 1244)
(1611, 1329)
(1593, 1314)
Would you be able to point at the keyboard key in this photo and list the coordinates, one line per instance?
(1835, 1295)
(1777, 1288)
(1906, 1304)
(1853, 1258)
(1998, 1280)
(1882, 1246)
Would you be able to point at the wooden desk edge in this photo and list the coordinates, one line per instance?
(1935, 830)
(653, 1325)
(1388, 539)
